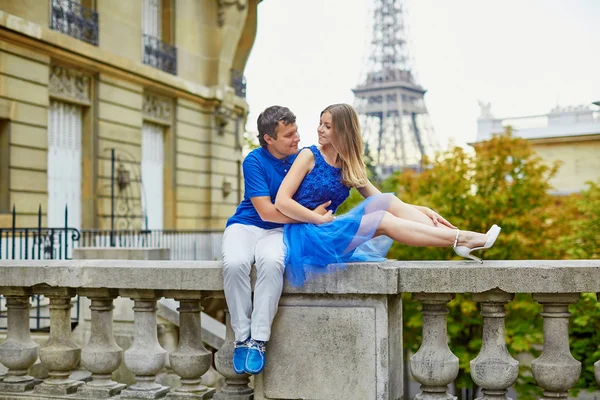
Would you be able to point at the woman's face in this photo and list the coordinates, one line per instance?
(325, 130)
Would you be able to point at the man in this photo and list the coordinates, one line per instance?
(254, 235)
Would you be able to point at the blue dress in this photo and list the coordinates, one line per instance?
(315, 249)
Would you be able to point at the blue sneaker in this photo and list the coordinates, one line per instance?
(240, 352)
(255, 360)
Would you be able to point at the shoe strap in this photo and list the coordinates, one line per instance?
(255, 344)
(456, 239)
(245, 343)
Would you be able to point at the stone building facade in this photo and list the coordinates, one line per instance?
(157, 83)
(570, 135)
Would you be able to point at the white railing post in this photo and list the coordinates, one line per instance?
(101, 356)
(555, 370)
(61, 354)
(191, 359)
(494, 370)
(145, 358)
(434, 366)
(18, 352)
(236, 386)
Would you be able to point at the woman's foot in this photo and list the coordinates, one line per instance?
(472, 241)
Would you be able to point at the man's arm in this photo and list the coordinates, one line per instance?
(258, 190)
(267, 211)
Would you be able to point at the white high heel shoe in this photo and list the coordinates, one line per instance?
(465, 251)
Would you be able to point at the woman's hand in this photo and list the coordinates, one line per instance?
(435, 217)
(327, 217)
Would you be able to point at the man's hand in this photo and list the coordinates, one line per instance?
(322, 209)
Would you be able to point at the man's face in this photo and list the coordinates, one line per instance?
(286, 143)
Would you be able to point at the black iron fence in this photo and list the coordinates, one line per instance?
(37, 243)
(75, 20)
(160, 54)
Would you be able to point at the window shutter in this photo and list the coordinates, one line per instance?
(152, 174)
(64, 164)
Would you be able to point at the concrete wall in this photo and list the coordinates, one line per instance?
(119, 127)
(580, 163)
(24, 89)
(36, 11)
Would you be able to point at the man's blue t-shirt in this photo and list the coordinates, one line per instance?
(263, 174)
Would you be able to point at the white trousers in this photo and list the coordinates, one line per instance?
(244, 245)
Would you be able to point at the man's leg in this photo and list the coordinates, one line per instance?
(267, 291)
(270, 255)
(239, 242)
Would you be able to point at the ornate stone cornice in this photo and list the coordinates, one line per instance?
(157, 109)
(70, 85)
(222, 4)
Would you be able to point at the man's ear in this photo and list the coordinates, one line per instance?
(268, 138)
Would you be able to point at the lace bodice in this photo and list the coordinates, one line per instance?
(322, 184)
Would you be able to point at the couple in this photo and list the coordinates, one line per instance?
(286, 221)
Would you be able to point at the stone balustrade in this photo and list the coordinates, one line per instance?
(337, 337)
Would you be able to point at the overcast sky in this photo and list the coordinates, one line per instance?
(523, 56)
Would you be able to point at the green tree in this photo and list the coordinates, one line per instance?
(584, 241)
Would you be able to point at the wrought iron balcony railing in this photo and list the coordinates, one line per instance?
(238, 83)
(160, 55)
(75, 20)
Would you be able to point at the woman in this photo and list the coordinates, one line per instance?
(328, 173)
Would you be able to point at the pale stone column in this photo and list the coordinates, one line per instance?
(190, 360)
(434, 366)
(494, 370)
(101, 356)
(60, 354)
(597, 363)
(145, 358)
(236, 386)
(555, 370)
(18, 352)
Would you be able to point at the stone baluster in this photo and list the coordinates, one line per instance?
(555, 370)
(597, 363)
(434, 366)
(145, 358)
(60, 355)
(18, 352)
(101, 356)
(191, 359)
(236, 386)
(494, 370)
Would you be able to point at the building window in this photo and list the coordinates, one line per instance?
(238, 83)
(156, 51)
(74, 19)
(64, 163)
(153, 156)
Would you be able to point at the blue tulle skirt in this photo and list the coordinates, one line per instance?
(317, 249)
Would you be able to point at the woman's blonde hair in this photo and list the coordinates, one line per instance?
(348, 143)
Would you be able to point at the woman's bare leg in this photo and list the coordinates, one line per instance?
(415, 233)
(402, 210)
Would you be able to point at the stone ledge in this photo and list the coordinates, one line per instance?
(519, 276)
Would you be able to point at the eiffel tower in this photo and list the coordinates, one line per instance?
(395, 123)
